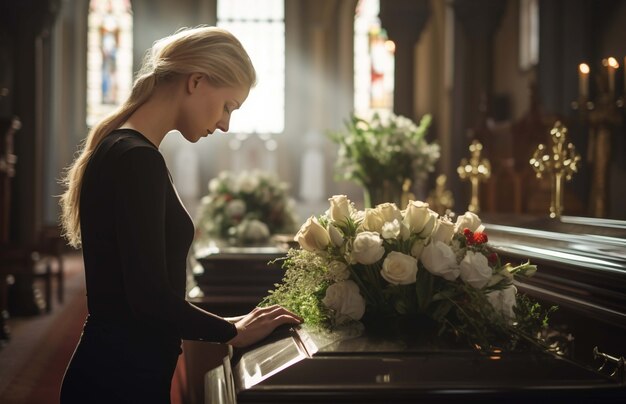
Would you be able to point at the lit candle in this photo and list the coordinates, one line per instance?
(624, 69)
(612, 66)
(583, 80)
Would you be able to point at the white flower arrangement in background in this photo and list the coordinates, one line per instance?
(247, 207)
(385, 147)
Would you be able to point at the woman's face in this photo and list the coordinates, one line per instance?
(207, 107)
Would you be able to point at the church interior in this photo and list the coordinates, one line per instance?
(520, 105)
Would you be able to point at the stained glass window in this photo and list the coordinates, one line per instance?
(109, 57)
(529, 34)
(260, 26)
(373, 61)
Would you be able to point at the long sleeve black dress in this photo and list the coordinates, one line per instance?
(136, 235)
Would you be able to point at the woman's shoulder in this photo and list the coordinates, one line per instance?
(129, 149)
(126, 139)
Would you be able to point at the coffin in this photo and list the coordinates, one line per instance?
(296, 366)
(582, 269)
(234, 279)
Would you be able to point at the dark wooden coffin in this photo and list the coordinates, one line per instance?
(235, 279)
(296, 366)
(582, 270)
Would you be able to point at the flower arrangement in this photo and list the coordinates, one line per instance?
(384, 149)
(246, 208)
(406, 265)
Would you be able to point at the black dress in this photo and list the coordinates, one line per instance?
(136, 235)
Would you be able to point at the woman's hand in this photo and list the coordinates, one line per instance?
(234, 319)
(260, 322)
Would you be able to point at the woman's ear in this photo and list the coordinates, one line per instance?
(193, 81)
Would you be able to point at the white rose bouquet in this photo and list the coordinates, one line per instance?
(245, 208)
(407, 265)
(384, 150)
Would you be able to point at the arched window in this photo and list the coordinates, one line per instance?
(529, 34)
(260, 26)
(373, 61)
(109, 57)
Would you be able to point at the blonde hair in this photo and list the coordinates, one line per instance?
(209, 50)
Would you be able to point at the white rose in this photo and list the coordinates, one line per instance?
(405, 233)
(312, 236)
(439, 259)
(339, 208)
(475, 269)
(468, 221)
(389, 212)
(344, 297)
(235, 208)
(417, 249)
(206, 200)
(373, 220)
(214, 185)
(338, 271)
(443, 231)
(225, 179)
(248, 183)
(335, 236)
(416, 216)
(503, 301)
(399, 269)
(357, 216)
(367, 248)
(391, 229)
(430, 224)
(254, 230)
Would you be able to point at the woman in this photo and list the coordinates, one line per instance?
(121, 206)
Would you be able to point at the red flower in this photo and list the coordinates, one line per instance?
(479, 238)
(492, 258)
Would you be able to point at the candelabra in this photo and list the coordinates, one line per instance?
(560, 163)
(604, 115)
(476, 170)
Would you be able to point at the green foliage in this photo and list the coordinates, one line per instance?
(531, 317)
(303, 288)
(472, 318)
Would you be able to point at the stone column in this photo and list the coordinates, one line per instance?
(404, 21)
(479, 20)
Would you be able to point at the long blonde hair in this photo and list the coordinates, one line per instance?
(209, 50)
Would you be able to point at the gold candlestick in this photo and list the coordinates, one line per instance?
(560, 164)
(477, 170)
